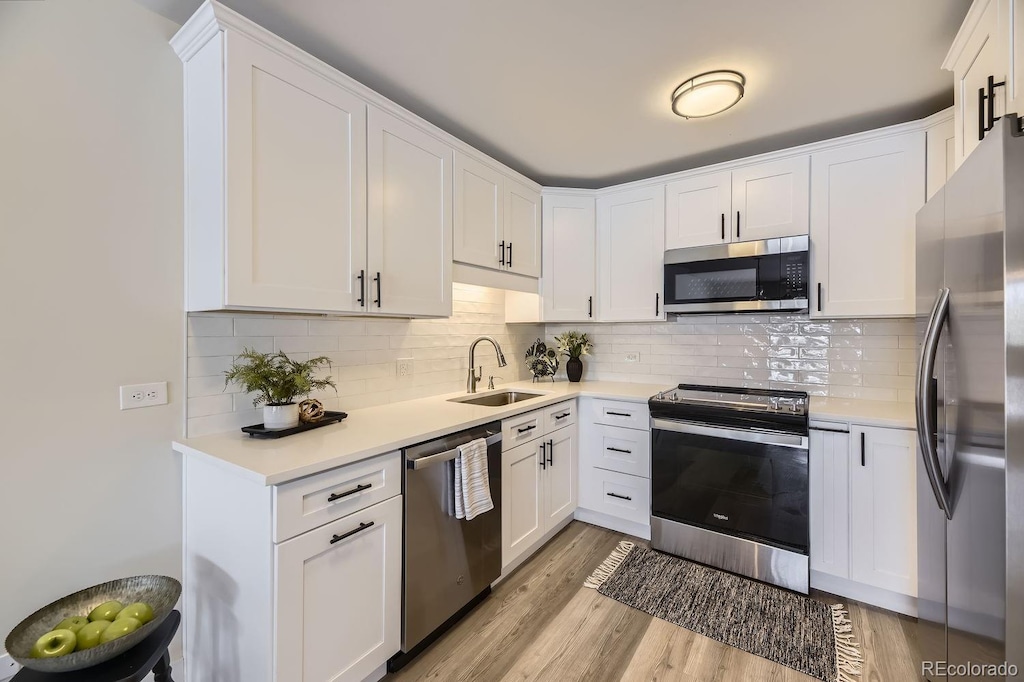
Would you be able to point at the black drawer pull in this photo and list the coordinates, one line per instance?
(819, 297)
(358, 489)
(723, 227)
(362, 288)
(590, 306)
(377, 280)
(543, 457)
(621, 497)
(619, 414)
(862, 463)
(510, 254)
(551, 449)
(563, 416)
(339, 538)
(501, 259)
(527, 428)
(625, 452)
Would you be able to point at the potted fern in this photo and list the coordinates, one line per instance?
(277, 380)
(574, 345)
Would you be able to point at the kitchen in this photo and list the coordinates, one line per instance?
(788, 278)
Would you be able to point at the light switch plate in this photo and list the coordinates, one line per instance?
(143, 395)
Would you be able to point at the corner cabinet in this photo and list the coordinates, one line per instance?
(631, 255)
(864, 203)
(569, 280)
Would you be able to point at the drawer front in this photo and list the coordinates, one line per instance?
(559, 416)
(609, 492)
(315, 500)
(522, 429)
(619, 413)
(614, 448)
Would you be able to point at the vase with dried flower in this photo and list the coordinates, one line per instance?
(574, 345)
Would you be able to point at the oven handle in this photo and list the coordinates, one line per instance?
(783, 440)
(424, 462)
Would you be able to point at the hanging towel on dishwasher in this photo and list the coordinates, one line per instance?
(472, 488)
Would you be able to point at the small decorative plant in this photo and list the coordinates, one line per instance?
(277, 381)
(573, 344)
(541, 360)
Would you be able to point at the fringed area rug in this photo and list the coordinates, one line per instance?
(795, 631)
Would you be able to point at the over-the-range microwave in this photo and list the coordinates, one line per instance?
(765, 275)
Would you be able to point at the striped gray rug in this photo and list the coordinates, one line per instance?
(796, 631)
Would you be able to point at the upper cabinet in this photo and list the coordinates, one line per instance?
(864, 201)
(569, 282)
(497, 219)
(941, 154)
(698, 211)
(985, 61)
(631, 254)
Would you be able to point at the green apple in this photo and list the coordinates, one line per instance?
(108, 610)
(89, 636)
(120, 628)
(141, 611)
(74, 623)
(53, 644)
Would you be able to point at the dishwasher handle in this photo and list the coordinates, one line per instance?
(446, 456)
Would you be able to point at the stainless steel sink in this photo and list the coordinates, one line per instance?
(498, 399)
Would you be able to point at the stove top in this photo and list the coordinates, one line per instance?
(736, 407)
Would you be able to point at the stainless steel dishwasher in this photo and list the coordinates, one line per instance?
(448, 564)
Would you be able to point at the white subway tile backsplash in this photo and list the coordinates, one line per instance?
(270, 326)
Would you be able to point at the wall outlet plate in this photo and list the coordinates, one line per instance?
(632, 357)
(143, 395)
(404, 367)
(8, 667)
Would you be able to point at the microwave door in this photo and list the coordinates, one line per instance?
(716, 281)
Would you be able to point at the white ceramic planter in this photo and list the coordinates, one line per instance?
(280, 416)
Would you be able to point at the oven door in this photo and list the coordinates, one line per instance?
(750, 484)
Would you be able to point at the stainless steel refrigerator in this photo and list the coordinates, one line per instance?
(970, 413)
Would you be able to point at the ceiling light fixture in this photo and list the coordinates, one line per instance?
(708, 94)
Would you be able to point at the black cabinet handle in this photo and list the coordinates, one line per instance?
(527, 428)
(358, 489)
(590, 306)
(737, 224)
(981, 114)
(723, 227)
(377, 280)
(625, 452)
(543, 458)
(551, 450)
(562, 416)
(501, 247)
(621, 497)
(992, 118)
(819, 297)
(362, 287)
(362, 527)
(619, 414)
(657, 304)
(510, 254)
(862, 463)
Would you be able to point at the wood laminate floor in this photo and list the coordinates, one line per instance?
(542, 624)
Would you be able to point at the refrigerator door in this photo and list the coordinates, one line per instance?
(973, 397)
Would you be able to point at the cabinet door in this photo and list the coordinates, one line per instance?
(770, 199)
(883, 508)
(522, 228)
(570, 258)
(940, 155)
(296, 185)
(339, 598)
(864, 201)
(410, 219)
(698, 211)
(522, 519)
(829, 470)
(479, 213)
(983, 55)
(560, 484)
(631, 254)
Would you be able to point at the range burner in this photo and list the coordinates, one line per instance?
(751, 408)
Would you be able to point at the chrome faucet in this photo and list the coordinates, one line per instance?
(475, 376)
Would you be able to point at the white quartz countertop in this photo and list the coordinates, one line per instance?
(864, 412)
(377, 430)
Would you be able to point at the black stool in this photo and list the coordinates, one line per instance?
(132, 666)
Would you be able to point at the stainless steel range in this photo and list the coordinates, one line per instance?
(729, 482)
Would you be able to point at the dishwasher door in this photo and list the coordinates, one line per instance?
(447, 562)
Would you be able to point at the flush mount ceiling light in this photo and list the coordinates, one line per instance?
(708, 94)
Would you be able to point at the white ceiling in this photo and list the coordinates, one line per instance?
(576, 92)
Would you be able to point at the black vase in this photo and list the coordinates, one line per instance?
(574, 369)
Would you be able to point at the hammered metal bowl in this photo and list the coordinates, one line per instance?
(159, 591)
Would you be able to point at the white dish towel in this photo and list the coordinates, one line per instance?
(472, 489)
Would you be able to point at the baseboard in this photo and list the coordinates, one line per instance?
(613, 523)
(533, 549)
(867, 594)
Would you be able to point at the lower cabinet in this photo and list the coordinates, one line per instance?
(339, 597)
(829, 476)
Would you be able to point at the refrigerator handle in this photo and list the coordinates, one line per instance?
(925, 402)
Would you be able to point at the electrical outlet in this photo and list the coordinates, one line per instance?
(143, 395)
(404, 367)
(8, 667)
(632, 357)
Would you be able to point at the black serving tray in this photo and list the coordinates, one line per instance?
(258, 431)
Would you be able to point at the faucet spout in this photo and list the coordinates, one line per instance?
(473, 377)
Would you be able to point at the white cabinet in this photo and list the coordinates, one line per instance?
(497, 219)
(829, 472)
(522, 520)
(864, 201)
(569, 278)
(698, 211)
(770, 199)
(560, 482)
(940, 155)
(339, 597)
(409, 265)
(883, 508)
(630, 254)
